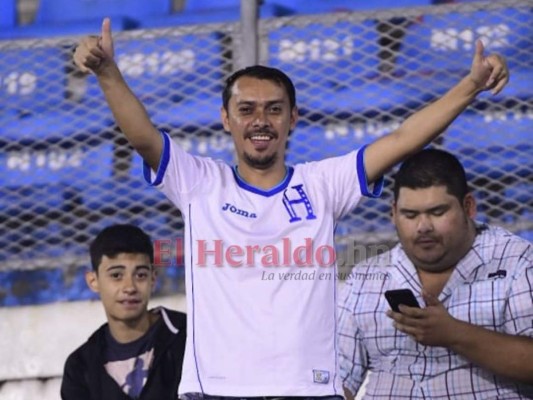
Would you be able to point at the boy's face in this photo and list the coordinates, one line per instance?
(125, 283)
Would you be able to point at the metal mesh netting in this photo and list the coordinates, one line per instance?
(67, 172)
(359, 75)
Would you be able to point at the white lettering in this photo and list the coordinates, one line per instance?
(19, 83)
(315, 49)
(452, 39)
(360, 130)
(157, 63)
(53, 160)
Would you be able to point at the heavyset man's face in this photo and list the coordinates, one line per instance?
(259, 118)
(433, 226)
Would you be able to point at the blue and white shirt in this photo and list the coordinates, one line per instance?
(261, 323)
(492, 287)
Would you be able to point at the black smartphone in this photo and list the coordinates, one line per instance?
(401, 296)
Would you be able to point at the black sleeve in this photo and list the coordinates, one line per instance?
(74, 385)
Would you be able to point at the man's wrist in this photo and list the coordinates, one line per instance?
(470, 86)
(460, 334)
(109, 75)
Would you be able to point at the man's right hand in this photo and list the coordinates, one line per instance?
(94, 53)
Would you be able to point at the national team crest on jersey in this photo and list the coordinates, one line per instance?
(295, 200)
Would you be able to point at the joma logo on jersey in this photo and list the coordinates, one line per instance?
(232, 209)
(296, 196)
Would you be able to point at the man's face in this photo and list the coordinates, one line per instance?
(125, 283)
(434, 228)
(259, 119)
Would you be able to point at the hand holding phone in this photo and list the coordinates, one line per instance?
(401, 296)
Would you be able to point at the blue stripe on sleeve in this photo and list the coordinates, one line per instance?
(361, 173)
(163, 163)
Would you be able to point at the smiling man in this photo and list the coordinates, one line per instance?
(474, 337)
(249, 336)
(137, 354)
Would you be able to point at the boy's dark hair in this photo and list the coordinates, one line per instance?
(264, 73)
(432, 167)
(116, 239)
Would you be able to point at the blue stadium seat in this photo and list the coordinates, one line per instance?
(484, 129)
(111, 193)
(40, 185)
(218, 146)
(44, 165)
(189, 114)
(171, 69)
(36, 199)
(313, 143)
(67, 11)
(44, 31)
(338, 72)
(32, 78)
(439, 49)
(522, 194)
(374, 215)
(76, 288)
(34, 101)
(203, 5)
(67, 18)
(330, 6)
(8, 14)
(125, 14)
(492, 146)
(179, 79)
(206, 12)
(448, 42)
(29, 287)
(52, 126)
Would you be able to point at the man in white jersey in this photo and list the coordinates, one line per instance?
(255, 330)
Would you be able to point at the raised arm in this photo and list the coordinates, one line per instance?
(486, 73)
(96, 55)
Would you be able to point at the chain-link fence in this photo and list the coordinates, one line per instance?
(67, 172)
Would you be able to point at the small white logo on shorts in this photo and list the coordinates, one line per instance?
(320, 376)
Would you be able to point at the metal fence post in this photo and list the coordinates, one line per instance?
(249, 27)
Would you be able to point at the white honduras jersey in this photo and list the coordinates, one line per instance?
(261, 307)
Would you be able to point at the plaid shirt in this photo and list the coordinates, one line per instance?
(492, 286)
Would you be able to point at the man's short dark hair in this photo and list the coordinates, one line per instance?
(263, 73)
(120, 238)
(432, 167)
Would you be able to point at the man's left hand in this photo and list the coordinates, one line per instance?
(488, 72)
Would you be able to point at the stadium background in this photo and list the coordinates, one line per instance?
(359, 67)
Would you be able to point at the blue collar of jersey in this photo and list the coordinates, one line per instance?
(267, 193)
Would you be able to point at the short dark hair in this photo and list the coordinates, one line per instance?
(264, 73)
(120, 238)
(432, 167)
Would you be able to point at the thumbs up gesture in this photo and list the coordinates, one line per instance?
(95, 53)
(488, 72)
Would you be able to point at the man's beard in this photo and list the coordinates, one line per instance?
(264, 162)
